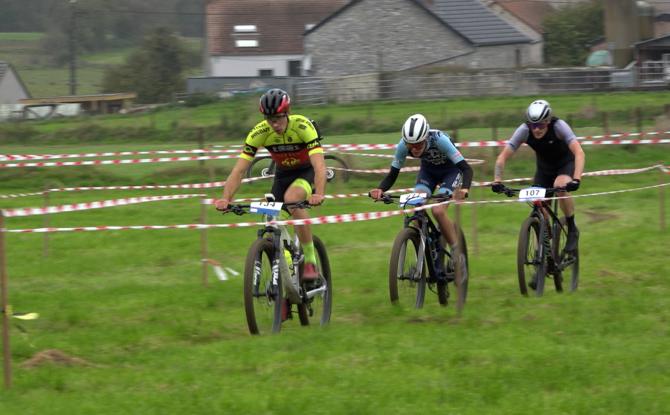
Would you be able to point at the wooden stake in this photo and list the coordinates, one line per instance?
(6, 309)
(203, 243)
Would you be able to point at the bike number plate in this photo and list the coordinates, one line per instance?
(532, 193)
(266, 208)
(412, 198)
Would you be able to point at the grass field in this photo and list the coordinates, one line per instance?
(153, 339)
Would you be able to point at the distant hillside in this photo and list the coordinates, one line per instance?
(23, 51)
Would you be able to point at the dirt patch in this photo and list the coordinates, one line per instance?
(54, 356)
(596, 216)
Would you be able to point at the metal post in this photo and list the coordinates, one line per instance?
(203, 243)
(6, 309)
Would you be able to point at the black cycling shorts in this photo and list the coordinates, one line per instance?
(545, 176)
(445, 179)
(283, 180)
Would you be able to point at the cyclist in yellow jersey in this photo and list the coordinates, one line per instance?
(293, 143)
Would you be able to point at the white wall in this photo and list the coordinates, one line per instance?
(250, 65)
(10, 88)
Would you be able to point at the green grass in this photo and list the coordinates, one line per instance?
(132, 305)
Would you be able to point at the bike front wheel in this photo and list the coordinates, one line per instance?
(262, 303)
(407, 283)
(530, 263)
(568, 265)
(461, 270)
(319, 302)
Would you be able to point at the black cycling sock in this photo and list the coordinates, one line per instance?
(571, 222)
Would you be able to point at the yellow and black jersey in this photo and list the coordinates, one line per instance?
(290, 150)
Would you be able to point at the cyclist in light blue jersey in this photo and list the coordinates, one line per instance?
(443, 169)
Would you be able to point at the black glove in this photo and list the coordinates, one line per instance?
(497, 187)
(573, 185)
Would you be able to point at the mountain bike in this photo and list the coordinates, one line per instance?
(541, 249)
(336, 168)
(421, 258)
(272, 270)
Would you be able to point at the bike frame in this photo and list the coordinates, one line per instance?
(429, 236)
(290, 278)
(550, 227)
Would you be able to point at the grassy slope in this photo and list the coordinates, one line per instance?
(132, 304)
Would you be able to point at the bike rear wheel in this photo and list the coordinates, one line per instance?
(341, 171)
(262, 303)
(568, 265)
(262, 166)
(407, 284)
(320, 305)
(530, 262)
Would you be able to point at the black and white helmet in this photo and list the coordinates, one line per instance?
(415, 129)
(538, 111)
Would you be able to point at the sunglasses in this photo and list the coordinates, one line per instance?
(275, 118)
(538, 125)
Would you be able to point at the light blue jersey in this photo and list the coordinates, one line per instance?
(440, 151)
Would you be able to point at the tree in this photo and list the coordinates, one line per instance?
(154, 71)
(570, 31)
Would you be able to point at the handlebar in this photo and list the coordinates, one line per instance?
(388, 198)
(240, 209)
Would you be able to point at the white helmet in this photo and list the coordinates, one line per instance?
(538, 111)
(415, 129)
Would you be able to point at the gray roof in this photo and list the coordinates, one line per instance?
(477, 22)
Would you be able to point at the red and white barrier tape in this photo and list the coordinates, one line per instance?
(138, 187)
(92, 205)
(586, 140)
(135, 200)
(21, 157)
(339, 196)
(115, 162)
(335, 196)
(341, 218)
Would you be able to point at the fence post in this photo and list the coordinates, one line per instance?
(638, 119)
(201, 145)
(606, 125)
(661, 199)
(6, 309)
(46, 222)
(203, 242)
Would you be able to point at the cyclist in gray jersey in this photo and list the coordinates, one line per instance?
(559, 158)
(442, 167)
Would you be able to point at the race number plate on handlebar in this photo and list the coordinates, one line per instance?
(412, 199)
(266, 208)
(532, 193)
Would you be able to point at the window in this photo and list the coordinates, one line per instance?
(266, 72)
(294, 68)
(246, 43)
(244, 28)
